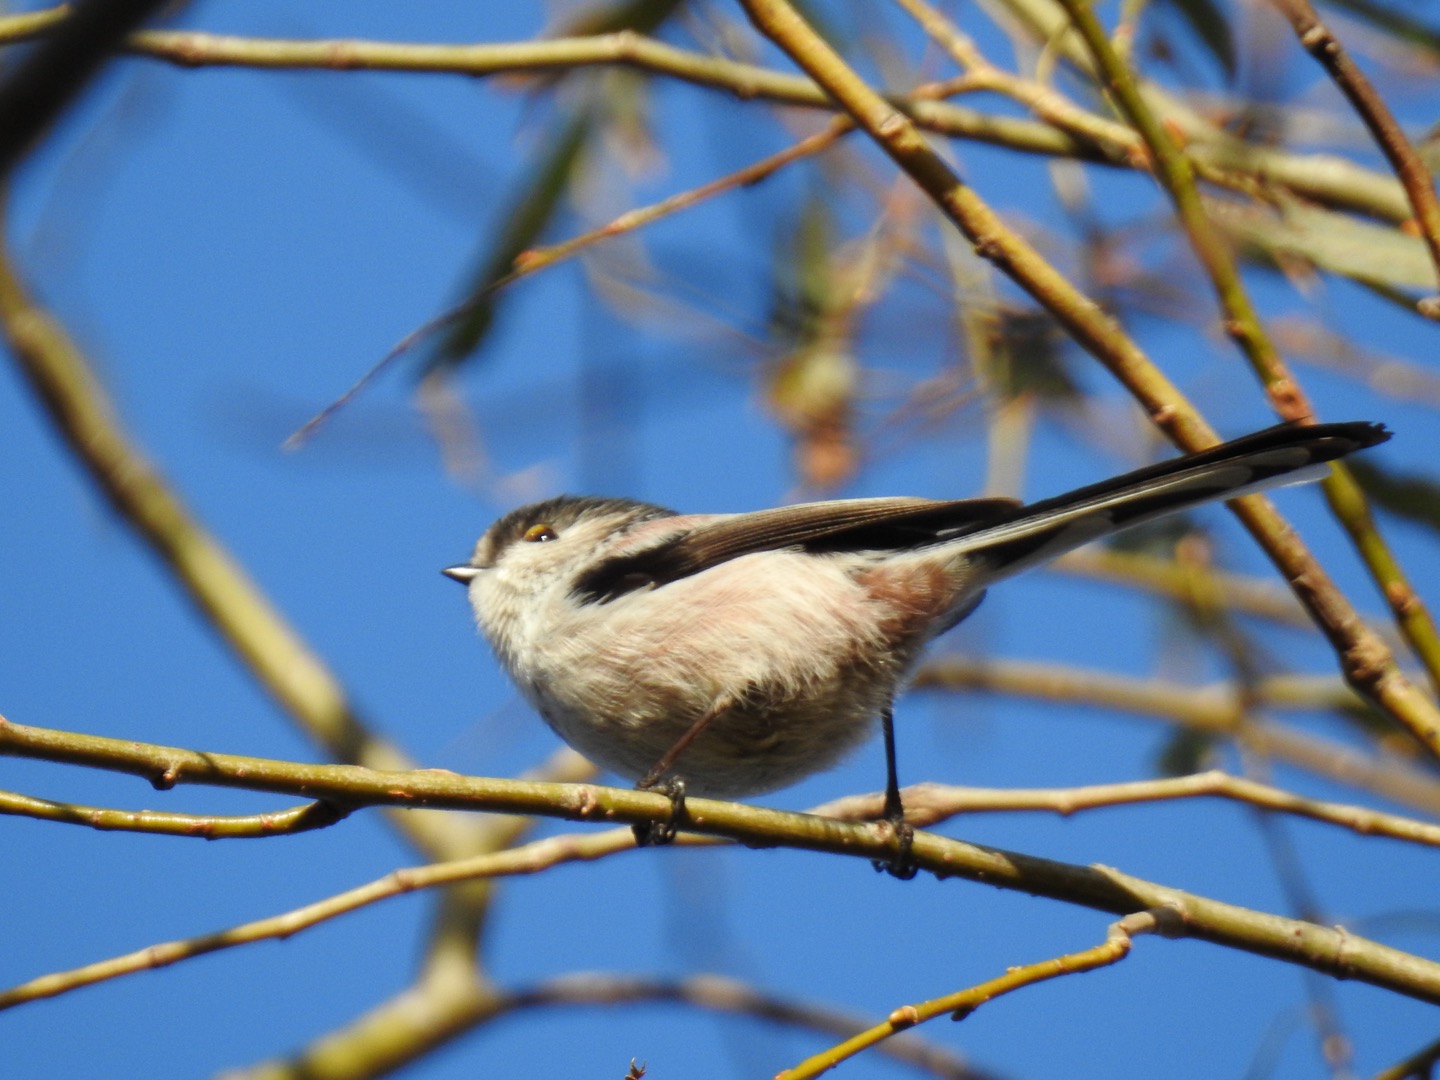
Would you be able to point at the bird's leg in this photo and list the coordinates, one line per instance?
(902, 863)
(651, 834)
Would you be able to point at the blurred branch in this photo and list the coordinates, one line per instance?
(22, 26)
(520, 225)
(962, 1003)
(1326, 179)
(1242, 594)
(1321, 43)
(1366, 661)
(1176, 175)
(271, 649)
(980, 74)
(35, 88)
(1218, 709)
(725, 995)
(1242, 323)
(713, 992)
(445, 1001)
(1418, 1066)
(298, 819)
(1333, 952)
(1311, 342)
(447, 998)
(926, 805)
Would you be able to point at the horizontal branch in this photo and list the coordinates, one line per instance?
(1334, 952)
(1219, 709)
(1327, 179)
(929, 804)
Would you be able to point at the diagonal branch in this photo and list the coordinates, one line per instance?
(1321, 43)
(34, 91)
(1242, 321)
(1365, 660)
(280, 660)
(962, 1003)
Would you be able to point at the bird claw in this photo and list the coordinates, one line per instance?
(901, 864)
(654, 833)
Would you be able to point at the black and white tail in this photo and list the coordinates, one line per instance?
(1286, 454)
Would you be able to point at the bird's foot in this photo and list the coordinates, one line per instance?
(657, 834)
(901, 863)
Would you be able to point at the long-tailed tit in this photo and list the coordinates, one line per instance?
(739, 653)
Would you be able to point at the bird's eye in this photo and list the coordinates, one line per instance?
(539, 534)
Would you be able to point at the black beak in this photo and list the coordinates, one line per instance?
(462, 574)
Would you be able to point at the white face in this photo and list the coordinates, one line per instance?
(530, 559)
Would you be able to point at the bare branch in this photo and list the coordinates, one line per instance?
(962, 1003)
(1368, 664)
(929, 804)
(1330, 951)
(298, 819)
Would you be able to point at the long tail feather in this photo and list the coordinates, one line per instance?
(1287, 454)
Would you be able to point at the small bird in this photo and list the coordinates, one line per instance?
(729, 655)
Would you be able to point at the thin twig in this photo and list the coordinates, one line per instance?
(1321, 43)
(962, 1003)
(926, 805)
(540, 258)
(297, 819)
(1218, 709)
(527, 859)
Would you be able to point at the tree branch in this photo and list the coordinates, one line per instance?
(298, 819)
(1366, 661)
(1330, 951)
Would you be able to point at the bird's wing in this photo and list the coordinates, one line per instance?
(1009, 536)
(889, 524)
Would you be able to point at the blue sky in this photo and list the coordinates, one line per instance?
(232, 248)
